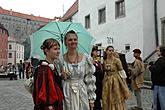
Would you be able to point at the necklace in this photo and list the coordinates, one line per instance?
(75, 65)
(75, 61)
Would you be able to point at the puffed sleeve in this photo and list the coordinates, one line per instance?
(120, 69)
(89, 78)
(119, 65)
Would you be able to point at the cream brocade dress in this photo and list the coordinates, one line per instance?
(115, 90)
(80, 87)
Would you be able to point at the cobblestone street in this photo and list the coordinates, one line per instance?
(146, 100)
(13, 96)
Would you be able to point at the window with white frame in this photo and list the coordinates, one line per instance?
(87, 22)
(10, 55)
(102, 15)
(17, 55)
(10, 46)
(120, 8)
(127, 47)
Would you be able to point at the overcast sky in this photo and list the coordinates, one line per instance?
(43, 8)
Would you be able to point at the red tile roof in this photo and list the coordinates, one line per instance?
(25, 16)
(70, 12)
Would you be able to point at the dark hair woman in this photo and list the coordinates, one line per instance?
(115, 90)
(99, 77)
(47, 93)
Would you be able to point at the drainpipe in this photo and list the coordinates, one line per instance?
(156, 23)
(156, 31)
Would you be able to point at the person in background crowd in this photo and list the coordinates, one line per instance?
(34, 62)
(115, 90)
(2, 68)
(99, 77)
(136, 77)
(158, 80)
(14, 69)
(29, 70)
(21, 69)
(79, 85)
(47, 93)
(125, 67)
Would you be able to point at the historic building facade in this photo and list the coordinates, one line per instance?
(3, 45)
(15, 51)
(21, 25)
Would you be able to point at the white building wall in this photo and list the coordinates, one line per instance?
(11, 60)
(149, 27)
(19, 52)
(126, 30)
(160, 15)
(129, 30)
(91, 7)
(137, 28)
(75, 17)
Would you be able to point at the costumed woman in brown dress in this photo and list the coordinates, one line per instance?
(115, 90)
(47, 93)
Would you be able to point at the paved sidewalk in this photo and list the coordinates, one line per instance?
(146, 100)
(13, 96)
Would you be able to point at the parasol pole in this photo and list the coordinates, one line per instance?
(62, 41)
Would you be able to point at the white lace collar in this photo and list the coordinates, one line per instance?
(52, 66)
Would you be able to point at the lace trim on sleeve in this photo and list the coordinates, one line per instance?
(89, 78)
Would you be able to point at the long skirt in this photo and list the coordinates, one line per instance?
(115, 92)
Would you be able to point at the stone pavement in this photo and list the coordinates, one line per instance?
(13, 96)
(146, 100)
